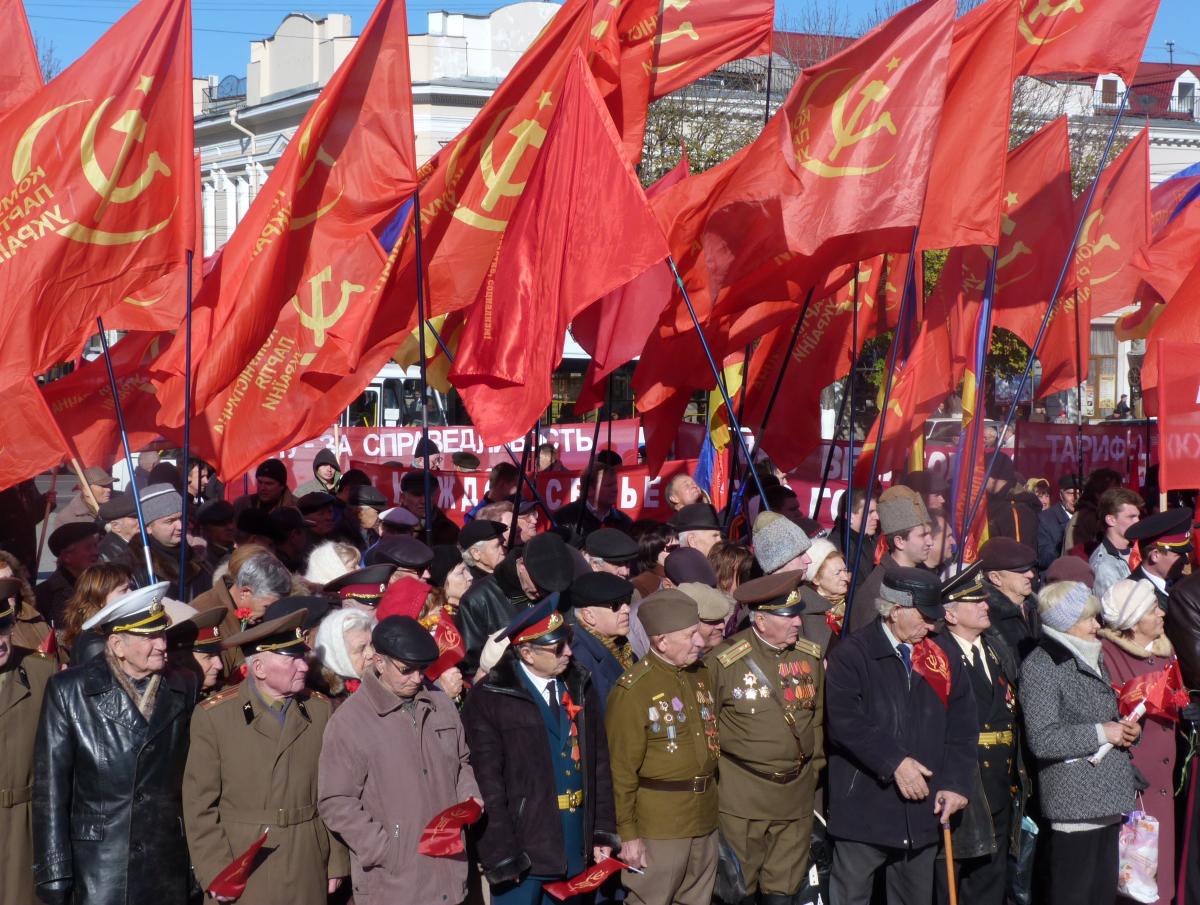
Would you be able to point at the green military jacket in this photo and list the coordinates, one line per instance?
(662, 727)
(773, 730)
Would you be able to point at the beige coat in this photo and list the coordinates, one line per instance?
(386, 771)
(246, 773)
(22, 684)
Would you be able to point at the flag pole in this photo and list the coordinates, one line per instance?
(424, 372)
(850, 395)
(734, 425)
(910, 291)
(1078, 393)
(1062, 278)
(512, 527)
(584, 485)
(137, 502)
(187, 432)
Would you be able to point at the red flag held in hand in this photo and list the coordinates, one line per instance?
(442, 836)
(451, 648)
(1162, 691)
(587, 881)
(231, 882)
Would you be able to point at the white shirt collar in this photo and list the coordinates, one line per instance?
(968, 646)
(540, 683)
(892, 638)
(1159, 583)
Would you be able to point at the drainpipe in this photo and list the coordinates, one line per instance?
(233, 121)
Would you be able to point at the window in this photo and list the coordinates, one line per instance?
(1108, 91)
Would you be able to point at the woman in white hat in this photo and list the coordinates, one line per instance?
(826, 581)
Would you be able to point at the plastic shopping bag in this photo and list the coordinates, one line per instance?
(1137, 876)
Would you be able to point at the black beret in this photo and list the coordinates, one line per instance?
(910, 587)
(775, 594)
(315, 501)
(215, 512)
(611, 545)
(366, 495)
(273, 469)
(316, 608)
(445, 558)
(689, 564)
(549, 562)
(465, 461)
(600, 589)
(403, 638)
(325, 457)
(478, 530)
(696, 517)
(71, 533)
(252, 520)
(1003, 554)
(401, 550)
(284, 521)
(121, 505)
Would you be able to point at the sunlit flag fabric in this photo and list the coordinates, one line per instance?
(20, 72)
(1083, 36)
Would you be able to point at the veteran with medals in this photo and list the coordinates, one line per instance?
(768, 685)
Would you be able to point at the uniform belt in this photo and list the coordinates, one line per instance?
(696, 784)
(10, 798)
(995, 739)
(782, 778)
(278, 817)
(570, 800)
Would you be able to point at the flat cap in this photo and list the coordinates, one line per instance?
(777, 594)
(478, 530)
(669, 610)
(215, 512)
(909, 587)
(541, 624)
(611, 545)
(600, 589)
(403, 638)
(401, 550)
(1170, 529)
(399, 519)
(365, 586)
(689, 564)
(445, 558)
(695, 517)
(714, 605)
(101, 477)
(1003, 554)
(367, 495)
(966, 586)
(119, 505)
(1069, 481)
(284, 521)
(283, 635)
(315, 501)
(549, 562)
(71, 533)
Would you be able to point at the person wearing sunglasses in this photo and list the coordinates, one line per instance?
(540, 756)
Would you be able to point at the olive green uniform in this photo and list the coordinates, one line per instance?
(662, 736)
(772, 746)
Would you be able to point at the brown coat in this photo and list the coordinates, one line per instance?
(243, 770)
(385, 773)
(221, 596)
(22, 685)
(29, 628)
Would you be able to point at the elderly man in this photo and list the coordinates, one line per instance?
(119, 516)
(1052, 522)
(610, 550)
(601, 610)
(162, 511)
(1008, 568)
(1119, 510)
(1165, 543)
(270, 489)
(780, 545)
(253, 766)
(80, 509)
(410, 556)
(601, 485)
(713, 607)
(254, 581)
(767, 683)
(412, 498)
(981, 840)
(904, 522)
(482, 543)
(23, 677)
(394, 757)
(76, 546)
(361, 522)
(664, 770)
(326, 471)
(682, 490)
(540, 754)
(111, 747)
(697, 526)
(903, 734)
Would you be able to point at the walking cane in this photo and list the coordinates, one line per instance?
(949, 863)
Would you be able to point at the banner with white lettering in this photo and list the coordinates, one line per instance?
(1050, 450)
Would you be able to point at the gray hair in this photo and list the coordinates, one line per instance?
(884, 607)
(264, 576)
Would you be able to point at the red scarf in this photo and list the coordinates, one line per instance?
(932, 664)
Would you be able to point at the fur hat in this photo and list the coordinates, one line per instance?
(777, 541)
(900, 510)
(1126, 602)
(820, 551)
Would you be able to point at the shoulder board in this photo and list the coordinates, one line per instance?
(224, 694)
(808, 647)
(734, 653)
(317, 696)
(634, 673)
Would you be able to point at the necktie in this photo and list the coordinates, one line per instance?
(552, 694)
(906, 655)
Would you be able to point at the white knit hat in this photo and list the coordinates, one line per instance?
(1126, 602)
(820, 551)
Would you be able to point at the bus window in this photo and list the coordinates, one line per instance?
(393, 401)
(363, 411)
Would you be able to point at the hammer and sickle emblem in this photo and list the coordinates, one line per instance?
(320, 156)
(528, 133)
(847, 132)
(685, 30)
(316, 319)
(847, 303)
(680, 5)
(1090, 248)
(1049, 10)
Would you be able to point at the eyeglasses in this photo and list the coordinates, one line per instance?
(403, 668)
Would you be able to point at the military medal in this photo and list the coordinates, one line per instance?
(671, 745)
(655, 726)
(677, 706)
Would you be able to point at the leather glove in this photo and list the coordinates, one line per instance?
(1190, 714)
(57, 892)
(493, 649)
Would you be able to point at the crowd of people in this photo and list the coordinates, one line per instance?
(741, 707)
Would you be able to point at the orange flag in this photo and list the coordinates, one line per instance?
(560, 253)
(20, 72)
(1083, 36)
(95, 199)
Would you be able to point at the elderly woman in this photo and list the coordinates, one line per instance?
(343, 646)
(1085, 776)
(826, 582)
(1134, 645)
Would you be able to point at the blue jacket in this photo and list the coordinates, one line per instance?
(593, 656)
(1052, 529)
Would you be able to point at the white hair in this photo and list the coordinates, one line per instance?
(884, 607)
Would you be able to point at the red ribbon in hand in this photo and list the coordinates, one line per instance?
(442, 836)
(587, 881)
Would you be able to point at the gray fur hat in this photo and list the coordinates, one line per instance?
(777, 541)
(900, 510)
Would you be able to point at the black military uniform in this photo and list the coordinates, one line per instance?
(1165, 532)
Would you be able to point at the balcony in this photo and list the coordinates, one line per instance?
(226, 94)
(1149, 104)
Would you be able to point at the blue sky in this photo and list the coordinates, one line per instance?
(223, 28)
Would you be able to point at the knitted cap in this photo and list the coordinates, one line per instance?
(777, 541)
(900, 510)
(1060, 608)
(160, 501)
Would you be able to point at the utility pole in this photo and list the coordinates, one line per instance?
(1171, 51)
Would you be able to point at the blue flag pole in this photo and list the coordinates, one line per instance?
(187, 432)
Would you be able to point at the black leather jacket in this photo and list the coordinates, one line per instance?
(489, 604)
(107, 818)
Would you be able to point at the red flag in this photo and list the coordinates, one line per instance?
(614, 330)
(451, 647)
(1178, 411)
(1085, 37)
(1165, 261)
(20, 72)
(588, 881)
(442, 836)
(1177, 322)
(30, 441)
(932, 665)
(49, 645)
(1162, 692)
(554, 262)
(231, 881)
(693, 39)
(96, 200)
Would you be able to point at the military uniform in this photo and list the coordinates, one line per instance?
(22, 684)
(662, 730)
(252, 768)
(770, 715)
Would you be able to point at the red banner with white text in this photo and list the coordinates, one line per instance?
(1050, 450)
